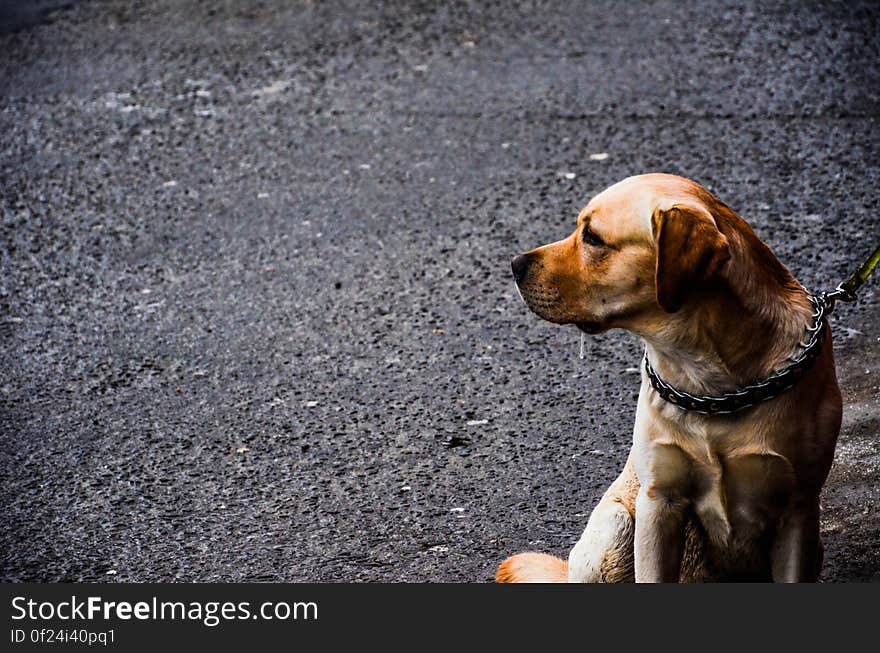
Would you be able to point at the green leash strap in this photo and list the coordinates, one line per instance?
(847, 290)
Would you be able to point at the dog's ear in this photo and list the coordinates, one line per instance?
(690, 251)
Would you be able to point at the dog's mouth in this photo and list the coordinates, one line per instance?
(589, 327)
(545, 302)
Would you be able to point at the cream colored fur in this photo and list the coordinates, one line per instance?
(701, 497)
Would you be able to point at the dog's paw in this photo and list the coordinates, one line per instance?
(532, 568)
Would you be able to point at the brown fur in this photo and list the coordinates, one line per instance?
(700, 497)
(532, 568)
(690, 252)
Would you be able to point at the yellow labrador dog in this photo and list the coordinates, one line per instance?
(739, 407)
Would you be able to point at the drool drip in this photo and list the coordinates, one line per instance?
(583, 353)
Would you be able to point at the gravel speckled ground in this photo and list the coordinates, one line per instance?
(255, 308)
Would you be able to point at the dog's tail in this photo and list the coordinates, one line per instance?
(532, 568)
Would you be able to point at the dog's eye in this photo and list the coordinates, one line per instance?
(592, 239)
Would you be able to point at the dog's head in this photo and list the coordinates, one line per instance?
(641, 248)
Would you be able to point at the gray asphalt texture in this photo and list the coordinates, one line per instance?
(256, 311)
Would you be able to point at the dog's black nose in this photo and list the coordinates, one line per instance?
(520, 265)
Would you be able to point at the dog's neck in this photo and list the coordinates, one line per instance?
(737, 332)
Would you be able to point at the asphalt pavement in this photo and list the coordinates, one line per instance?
(256, 313)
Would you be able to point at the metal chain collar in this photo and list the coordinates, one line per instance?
(778, 382)
(772, 386)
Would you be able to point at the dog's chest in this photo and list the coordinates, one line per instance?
(739, 497)
(738, 487)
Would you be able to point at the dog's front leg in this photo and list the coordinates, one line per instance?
(796, 555)
(659, 538)
(664, 473)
